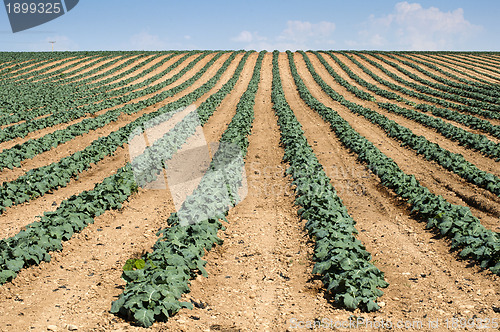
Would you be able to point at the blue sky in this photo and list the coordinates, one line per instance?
(264, 24)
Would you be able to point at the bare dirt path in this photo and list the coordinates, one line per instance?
(80, 292)
(403, 76)
(413, 70)
(440, 64)
(108, 70)
(484, 60)
(379, 73)
(16, 217)
(259, 279)
(136, 72)
(460, 66)
(431, 70)
(142, 60)
(78, 70)
(70, 67)
(358, 71)
(186, 76)
(477, 64)
(37, 68)
(325, 75)
(481, 161)
(483, 204)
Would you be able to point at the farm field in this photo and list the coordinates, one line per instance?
(373, 191)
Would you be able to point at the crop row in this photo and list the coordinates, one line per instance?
(476, 81)
(454, 162)
(39, 181)
(454, 221)
(470, 140)
(28, 74)
(421, 96)
(474, 67)
(156, 281)
(341, 259)
(64, 115)
(466, 85)
(61, 104)
(439, 90)
(75, 91)
(32, 245)
(63, 88)
(466, 119)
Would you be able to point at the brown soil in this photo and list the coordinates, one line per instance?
(260, 277)
(481, 60)
(431, 70)
(462, 67)
(48, 64)
(440, 64)
(98, 62)
(143, 61)
(40, 133)
(397, 72)
(415, 71)
(106, 69)
(70, 66)
(481, 161)
(379, 73)
(326, 76)
(428, 173)
(479, 65)
(17, 217)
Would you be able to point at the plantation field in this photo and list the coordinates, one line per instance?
(372, 179)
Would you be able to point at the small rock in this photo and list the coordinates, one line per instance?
(381, 304)
(71, 327)
(52, 328)
(395, 298)
(489, 291)
(251, 295)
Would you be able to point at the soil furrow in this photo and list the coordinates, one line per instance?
(259, 279)
(462, 67)
(186, 76)
(87, 273)
(481, 161)
(320, 68)
(18, 216)
(426, 280)
(430, 174)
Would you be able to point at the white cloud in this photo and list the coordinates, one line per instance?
(248, 37)
(412, 27)
(243, 37)
(146, 41)
(302, 33)
(297, 35)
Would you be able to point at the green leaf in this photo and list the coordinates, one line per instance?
(144, 317)
(349, 301)
(133, 264)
